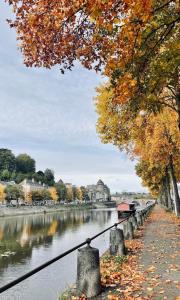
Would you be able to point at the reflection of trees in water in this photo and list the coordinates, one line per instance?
(19, 254)
(21, 234)
(49, 224)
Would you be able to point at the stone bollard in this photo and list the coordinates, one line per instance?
(143, 217)
(139, 219)
(130, 235)
(88, 272)
(134, 222)
(145, 214)
(125, 230)
(117, 246)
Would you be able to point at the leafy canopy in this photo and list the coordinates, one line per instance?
(154, 139)
(135, 43)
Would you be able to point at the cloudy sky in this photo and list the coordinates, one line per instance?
(52, 117)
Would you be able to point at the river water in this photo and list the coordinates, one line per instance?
(28, 241)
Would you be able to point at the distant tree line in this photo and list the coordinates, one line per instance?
(58, 193)
(17, 168)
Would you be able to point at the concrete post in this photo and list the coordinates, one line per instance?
(134, 222)
(130, 230)
(143, 218)
(125, 230)
(139, 219)
(113, 242)
(117, 246)
(88, 272)
(144, 215)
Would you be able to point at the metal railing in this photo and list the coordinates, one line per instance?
(46, 264)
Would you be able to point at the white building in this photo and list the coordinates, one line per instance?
(99, 192)
(30, 185)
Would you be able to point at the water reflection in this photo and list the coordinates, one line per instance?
(20, 235)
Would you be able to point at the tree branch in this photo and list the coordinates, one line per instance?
(162, 6)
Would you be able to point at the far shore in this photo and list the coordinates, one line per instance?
(21, 211)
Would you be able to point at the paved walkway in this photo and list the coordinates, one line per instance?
(155, 263)
(160, 259)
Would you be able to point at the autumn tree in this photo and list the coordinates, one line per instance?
(2, 193)
(84, 194)
(79, 193)
(154, 138)
(74, 192)
(28, 197)
(61, 190)
(69, 194)
(46, 194)
(36, 196)
(156, 180)
(13, 192)
(53, 194)
(135, 43)
(115, 122)
(40, 195)
(157, 141)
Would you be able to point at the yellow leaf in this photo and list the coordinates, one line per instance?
(151, 269)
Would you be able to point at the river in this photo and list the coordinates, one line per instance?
(29, 241)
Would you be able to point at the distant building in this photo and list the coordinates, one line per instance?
(68, 185)
(29, 186)
(98, 192)
(116, 197)
(60, 181)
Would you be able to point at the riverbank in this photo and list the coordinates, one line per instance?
(21, 211)
(16, 211)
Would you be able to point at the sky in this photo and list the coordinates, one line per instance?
(52, 117)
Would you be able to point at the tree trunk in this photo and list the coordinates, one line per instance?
(178, 105)
(175, 188)
(168, 190)
(165, 192)
(160, 197)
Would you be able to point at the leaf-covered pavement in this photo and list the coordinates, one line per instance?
(160, 257)
(150, 270)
